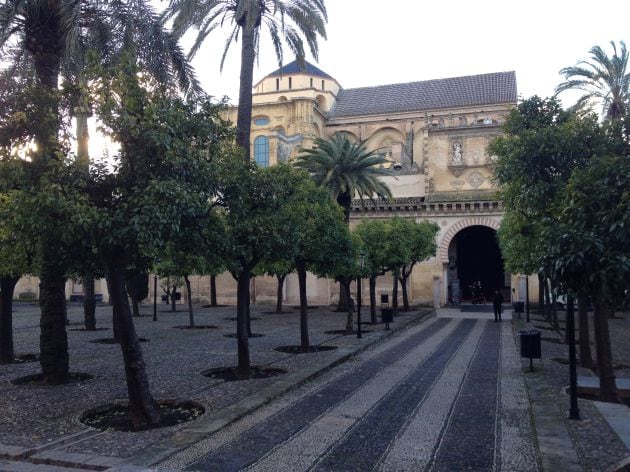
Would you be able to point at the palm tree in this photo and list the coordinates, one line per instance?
(602, 78)
(54, 35)
(287, 20)
(346, 169)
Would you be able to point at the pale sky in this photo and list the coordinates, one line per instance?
(383, 42)
(392, 41)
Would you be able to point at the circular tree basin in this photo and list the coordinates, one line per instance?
(299, 350)
(116, 417)
(37, 380)
(343, 332)
(253, 335)
(88, 330)
(555, 340)
(113, 341)
(233, 318)
(592, 393)
(231, 374)
(25, 358)
(195, 327)
(564, 360)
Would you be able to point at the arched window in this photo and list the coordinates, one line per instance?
(261, 151)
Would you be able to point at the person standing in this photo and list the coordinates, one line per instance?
(497, 301)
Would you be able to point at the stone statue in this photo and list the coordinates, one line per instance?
(457, 152)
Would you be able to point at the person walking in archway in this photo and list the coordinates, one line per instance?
(497, 302)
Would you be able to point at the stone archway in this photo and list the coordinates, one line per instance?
(460, 225)
(452, 291)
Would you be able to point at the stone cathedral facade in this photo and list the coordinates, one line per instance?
(435, 134)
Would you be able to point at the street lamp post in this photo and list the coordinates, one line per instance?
(155, 277)
(361, 262)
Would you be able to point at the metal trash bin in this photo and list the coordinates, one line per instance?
(387, 316)
(519, 307)
(530, 345)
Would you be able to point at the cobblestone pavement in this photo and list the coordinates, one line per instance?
(448, 393)
(41, 424)
(429, 399)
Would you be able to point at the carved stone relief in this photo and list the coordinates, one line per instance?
(476, 179)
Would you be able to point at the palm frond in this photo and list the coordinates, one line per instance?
(603, 77)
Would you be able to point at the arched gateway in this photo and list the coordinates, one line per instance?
(473, 265)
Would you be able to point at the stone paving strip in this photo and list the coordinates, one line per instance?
(368, 440)
(518, 445)
(471, 435)
(618, 417)
(303, 449)
(256, 442)
(230, 433)
(414, 448)
(550, 423)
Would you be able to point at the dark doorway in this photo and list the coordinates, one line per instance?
(478, 260)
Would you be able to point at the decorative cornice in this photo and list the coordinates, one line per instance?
(418, 206)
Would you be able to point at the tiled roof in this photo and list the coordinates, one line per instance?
(499, 87)
(295, 68)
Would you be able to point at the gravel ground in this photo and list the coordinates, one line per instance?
(174, 358)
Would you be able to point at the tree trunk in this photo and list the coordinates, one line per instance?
(554, 312)
(53, 340)
(541, 295)
(244, 119)
(53, 336)
(395, 293)
(373, 318)
(213, 290)
(143, 408)
(586, 360)
(304, 341)
(547, 304)
(191, 316)
(403, 284)
(280, 279)
(173, 298)
(607, 385)
(7, 287)
(344, 200)
(89, 303)
(47, 71)
(344, 297)
(349, 317)
(83, 139)
(242, 302)
(249, 313)
(135, 306)
(115, 323)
